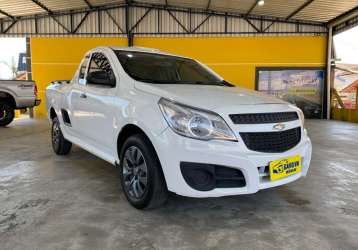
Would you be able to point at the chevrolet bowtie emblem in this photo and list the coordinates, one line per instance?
(279, 126)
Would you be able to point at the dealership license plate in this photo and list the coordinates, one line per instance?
(285, 167)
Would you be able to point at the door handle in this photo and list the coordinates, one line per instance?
(83, 95)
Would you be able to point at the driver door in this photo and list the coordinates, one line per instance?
(96, 103)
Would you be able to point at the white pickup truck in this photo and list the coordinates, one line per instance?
(16, 94)
(172, 124)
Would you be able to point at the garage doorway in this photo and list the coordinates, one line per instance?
(345, 90)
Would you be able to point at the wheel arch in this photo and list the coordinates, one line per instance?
(52, 113)
(127, 131)
(133, 129)
(9, 98)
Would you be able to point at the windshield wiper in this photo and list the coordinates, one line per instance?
(227, 84)
(153, 80)
(197, 82)
(222, 83)
(171, 81)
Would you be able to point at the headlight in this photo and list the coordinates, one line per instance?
(302, 117)
(195, 123)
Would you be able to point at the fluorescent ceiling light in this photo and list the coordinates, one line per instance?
(261, 2)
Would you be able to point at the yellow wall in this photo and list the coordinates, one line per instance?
(348, 115)
(235, 58)
(58, 59)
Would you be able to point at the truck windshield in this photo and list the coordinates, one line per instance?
(164, 69)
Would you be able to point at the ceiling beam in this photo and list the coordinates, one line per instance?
(173, 9)
(51, 14)
(295, 12)
(178, 22)
(7, 14)
(115, 21)
(60, 24)
(268, 27)
(89, 5)
(252, 7)
(80, 23)
(208, 5)
(253, 25)
(10, 26)
(141, 19)
(299, 9)
(202, 22)
(221, 13)
(42, 6)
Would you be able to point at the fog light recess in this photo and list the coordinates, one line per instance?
(206, 177)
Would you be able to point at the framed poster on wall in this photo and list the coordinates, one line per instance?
(303, 87)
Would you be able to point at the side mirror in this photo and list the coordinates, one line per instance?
(100, 78)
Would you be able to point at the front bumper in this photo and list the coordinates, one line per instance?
(173, 149)
(27, 102)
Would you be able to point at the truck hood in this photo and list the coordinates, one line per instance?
(206, 96)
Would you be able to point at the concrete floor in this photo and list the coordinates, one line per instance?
(74, 202)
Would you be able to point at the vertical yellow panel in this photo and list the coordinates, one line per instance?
(17, 113)
(58, 58)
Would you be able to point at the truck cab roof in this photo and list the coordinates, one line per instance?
(145, 50)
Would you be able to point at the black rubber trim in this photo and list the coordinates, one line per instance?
(206, 177)
(66, 117)
(261, 118)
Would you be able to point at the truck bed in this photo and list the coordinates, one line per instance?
(22, 91)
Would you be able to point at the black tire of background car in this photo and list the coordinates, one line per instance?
(7, 114)
(63, 147)
(157, 192)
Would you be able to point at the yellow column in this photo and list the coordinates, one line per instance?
(17, 113)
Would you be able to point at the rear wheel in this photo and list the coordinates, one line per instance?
(7, 114)
(141, 175)
(59, 144)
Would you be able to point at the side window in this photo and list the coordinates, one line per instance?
(83, 68)
(100, 71)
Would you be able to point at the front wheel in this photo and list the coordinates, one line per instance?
(59, 144)
(7, 114)
(141, 175)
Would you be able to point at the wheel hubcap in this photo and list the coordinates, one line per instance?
(135, 172)
(56, 134)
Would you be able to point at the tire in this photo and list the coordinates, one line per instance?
(59, 144)
(141, 175)
(7, 114)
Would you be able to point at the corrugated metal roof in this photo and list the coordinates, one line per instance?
(19, 7)
(56, 5)
(316, 10)
(278, 8)
(325, 10)
(104, 2)
(241, 6)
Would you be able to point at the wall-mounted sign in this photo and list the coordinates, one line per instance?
(303, 87)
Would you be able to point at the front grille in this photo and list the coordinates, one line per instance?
(260, 118)
(272, 142)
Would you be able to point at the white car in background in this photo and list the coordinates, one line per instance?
(171, 124)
